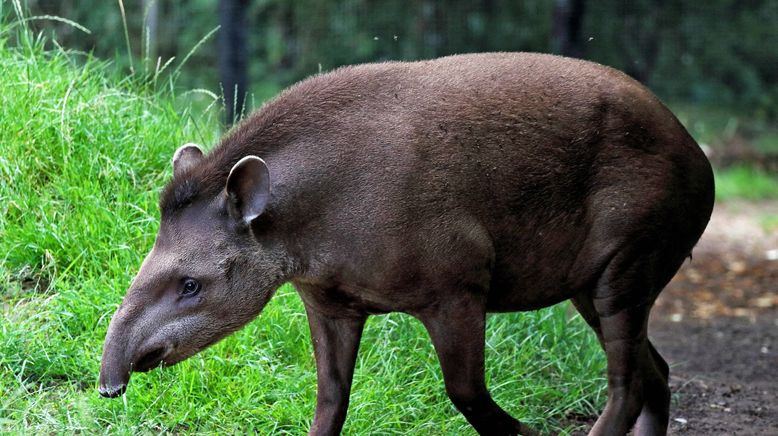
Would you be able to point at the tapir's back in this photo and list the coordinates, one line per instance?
(500, 129)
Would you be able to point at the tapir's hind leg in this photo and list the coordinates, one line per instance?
(618, 309)
(456, 328)
(654, 415)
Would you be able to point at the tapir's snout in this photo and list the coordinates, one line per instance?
(124, 353)
(115, 371)
(114, 375)
(115, 368)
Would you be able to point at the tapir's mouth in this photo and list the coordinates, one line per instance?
(150, 360)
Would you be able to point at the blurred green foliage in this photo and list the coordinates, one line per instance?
(717, 52)
(741, 181)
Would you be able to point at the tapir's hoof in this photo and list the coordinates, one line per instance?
(112, 391)
(524, 430)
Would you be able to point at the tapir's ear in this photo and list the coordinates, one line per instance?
(248, 189)
(185, 157)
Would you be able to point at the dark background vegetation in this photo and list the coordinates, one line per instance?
(713, 62)
(716, 52)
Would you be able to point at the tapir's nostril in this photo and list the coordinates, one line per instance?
(150, 360)
(112, 391)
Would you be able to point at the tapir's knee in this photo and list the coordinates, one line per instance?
(466, 398)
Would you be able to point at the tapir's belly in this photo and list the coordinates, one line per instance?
(538, 269)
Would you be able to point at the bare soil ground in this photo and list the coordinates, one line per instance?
(717, 326)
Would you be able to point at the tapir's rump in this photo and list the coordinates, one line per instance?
(444, 189)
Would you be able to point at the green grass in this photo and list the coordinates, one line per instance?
(745, 183)
(84, 153)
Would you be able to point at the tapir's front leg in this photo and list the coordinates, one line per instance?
(456, 328)
(335, 345)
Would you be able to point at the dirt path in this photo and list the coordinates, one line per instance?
(717, 325)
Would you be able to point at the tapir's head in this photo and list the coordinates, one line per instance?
(206, 276)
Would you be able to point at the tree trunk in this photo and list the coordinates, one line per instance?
(566, 27)
(232, 57)
(643, 26)
(430, 27)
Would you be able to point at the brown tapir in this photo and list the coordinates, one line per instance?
(444, 189)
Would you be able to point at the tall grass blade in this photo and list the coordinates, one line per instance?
(194, 49)
(126, 34)
(59, 19)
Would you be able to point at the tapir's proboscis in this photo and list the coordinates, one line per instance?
(444, 189)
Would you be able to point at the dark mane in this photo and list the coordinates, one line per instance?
(178, 194)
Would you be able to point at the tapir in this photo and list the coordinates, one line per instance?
(445, 189)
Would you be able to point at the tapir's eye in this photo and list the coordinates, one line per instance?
(190, 287)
